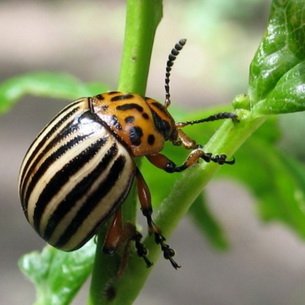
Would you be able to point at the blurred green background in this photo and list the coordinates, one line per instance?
(265, 264)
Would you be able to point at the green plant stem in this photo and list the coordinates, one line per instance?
(106, 286)
(228, 138)
(142, 19)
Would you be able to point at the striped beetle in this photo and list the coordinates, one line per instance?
(80, 168)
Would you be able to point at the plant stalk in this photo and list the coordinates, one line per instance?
(142, 19)
(228, 138)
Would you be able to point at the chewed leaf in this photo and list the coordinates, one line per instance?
(276, 72)
(58, 275)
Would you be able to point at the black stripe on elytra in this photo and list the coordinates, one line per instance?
(70, 128)
(63, 119)
(43, 138)
(130, 106)
(162, 126)
(80, 191)
(45, 166)
(121, 97)
(62, 176)
(93, 201)
(145, 116)
(115, 206)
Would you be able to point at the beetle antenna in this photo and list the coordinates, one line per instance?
(214, 117)
(170, 62)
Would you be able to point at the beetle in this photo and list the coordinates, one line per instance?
(81, 166)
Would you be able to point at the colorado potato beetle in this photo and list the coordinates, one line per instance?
(80, 168)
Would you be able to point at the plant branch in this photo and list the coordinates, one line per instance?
(228, 139)
(142, 19)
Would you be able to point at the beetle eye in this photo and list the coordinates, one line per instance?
(162, 126)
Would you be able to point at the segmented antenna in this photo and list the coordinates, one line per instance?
(170, 62)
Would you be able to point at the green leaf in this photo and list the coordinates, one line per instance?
(57, 85)
(292, 128)
(58, 275)
(142, 19)
(276, 73)
(276, 180)
(288, 94)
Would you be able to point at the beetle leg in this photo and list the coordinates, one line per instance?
(114, 234)
(120, 234)
(169, 166)
(141, 250)
(145, 201)
(184, 140)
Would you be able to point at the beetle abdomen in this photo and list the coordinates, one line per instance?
(75, 174)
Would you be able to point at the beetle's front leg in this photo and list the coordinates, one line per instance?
(119, 234)
(145, 201)
(169, 166)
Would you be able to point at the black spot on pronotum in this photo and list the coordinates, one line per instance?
(162, 126)
(130, 106)
(151, 139)
(129, 119)
(121, 97)
(135, 134)
(145, 116)
(159, 106)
